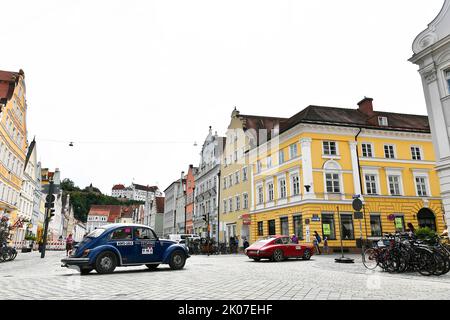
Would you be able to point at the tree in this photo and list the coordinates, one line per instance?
(68, 185)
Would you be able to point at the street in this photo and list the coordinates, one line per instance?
(233, 277)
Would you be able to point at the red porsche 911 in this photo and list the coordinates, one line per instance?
(278, 248)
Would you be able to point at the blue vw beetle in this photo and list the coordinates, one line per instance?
(123, 245)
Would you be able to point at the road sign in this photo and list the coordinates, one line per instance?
(49, 205)
(56, 188)
(357, 204)
(315, 217)
(358, 215)
(50, 198)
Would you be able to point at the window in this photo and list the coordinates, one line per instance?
(230, 177)
(244, 174)
(421, 184)
(399, 222)
(367, 150)
(225, 183)
(230, 202)
(292, 151)
(389, 151)
(394, 185)
(295, 185)
(236, 177)
(269, 162)
(260, 195)
(332, 183)
(260, 228)
(298, 227)
(235, 156)
(284, 223)
(415, 153)
(225, 206)
(280, 157)
(329, 148)
(245, 196)
(271, 227)
(328, 228)
(238, 203)
(447, 79)
(375, 226)
(371, 184)
(122, 234)
(382, 121)
(258, 166)
(270, 191)
(144, 233)
(347, 227)
(282, 183)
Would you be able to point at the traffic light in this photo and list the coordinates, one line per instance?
(205, 218)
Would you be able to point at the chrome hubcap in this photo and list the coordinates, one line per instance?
(106, 263)
(177, 259)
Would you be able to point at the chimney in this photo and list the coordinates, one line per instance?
(366, 106)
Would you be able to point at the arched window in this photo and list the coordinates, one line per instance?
(447, 79)
(426, 218)
(332, 177)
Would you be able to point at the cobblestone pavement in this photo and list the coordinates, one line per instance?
(216, 277)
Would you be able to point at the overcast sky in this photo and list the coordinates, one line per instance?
(134, 83)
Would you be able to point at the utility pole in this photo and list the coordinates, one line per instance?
(49, 205)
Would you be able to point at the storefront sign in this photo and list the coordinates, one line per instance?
(315, 217)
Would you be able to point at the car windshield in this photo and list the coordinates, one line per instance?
(95, 233)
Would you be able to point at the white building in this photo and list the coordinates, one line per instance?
(135, 191)
(79, 231)
(432, 54)
(170, 207)
(207, 182)
(96, 218)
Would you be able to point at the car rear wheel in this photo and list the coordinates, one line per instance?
(152, 266)
(277, 255)
(306, 254)
(177, 260)
(106, 262)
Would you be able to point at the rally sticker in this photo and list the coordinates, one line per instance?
(298, 248)
(124, 243)
(147, 250)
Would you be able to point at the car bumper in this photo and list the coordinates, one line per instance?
(74, 262)
(257, 254)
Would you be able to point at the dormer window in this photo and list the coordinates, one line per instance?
(383, 121)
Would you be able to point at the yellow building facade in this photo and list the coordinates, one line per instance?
(305, 179)
(13, 144)
(235, 182)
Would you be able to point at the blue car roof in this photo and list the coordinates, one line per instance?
(117, 225)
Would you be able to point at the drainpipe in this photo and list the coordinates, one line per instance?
(360, 178)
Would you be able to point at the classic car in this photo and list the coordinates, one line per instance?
(278, 248)
(113, 245)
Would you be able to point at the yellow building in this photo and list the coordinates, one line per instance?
(325, 156)
(235, 185)
(13, 144)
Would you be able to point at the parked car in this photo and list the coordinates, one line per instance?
(113, 245)
(278, 248)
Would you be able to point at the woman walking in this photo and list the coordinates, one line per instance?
(316, 242)
(69, 245)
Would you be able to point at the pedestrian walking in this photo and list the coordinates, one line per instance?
(237, 244)
(316, 242)
(325, 244)
(294, 239)
(246, 244)
(69, 244)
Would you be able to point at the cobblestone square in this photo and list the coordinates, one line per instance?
(233, 277)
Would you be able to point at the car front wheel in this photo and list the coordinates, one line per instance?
(105, 263)
(278, 255)
(177, 260)
(85, 271)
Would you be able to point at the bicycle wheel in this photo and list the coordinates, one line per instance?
(370, 258)
(425, 262)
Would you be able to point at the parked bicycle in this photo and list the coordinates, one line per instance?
(403, 252)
